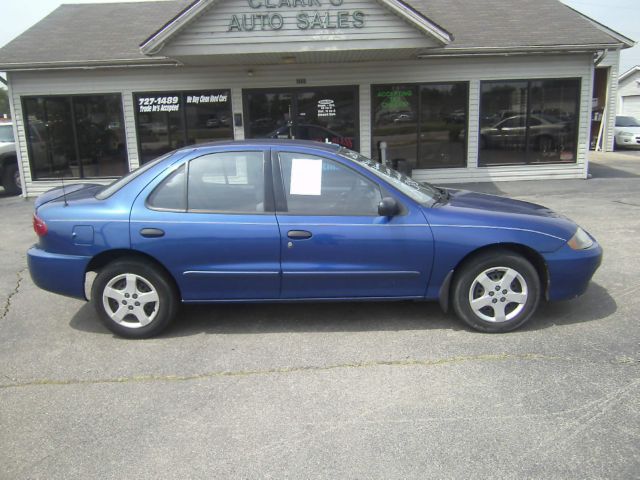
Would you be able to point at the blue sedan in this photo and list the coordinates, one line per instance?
(281, 221)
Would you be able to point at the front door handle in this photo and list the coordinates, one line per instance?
(152, 232)
(299, 234)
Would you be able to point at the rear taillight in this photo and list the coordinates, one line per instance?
(39, 226)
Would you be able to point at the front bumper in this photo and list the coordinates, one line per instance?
(570, 271)
(62, 274)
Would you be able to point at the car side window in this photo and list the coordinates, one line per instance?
(226, 182)
(319, 186)
(170, 194)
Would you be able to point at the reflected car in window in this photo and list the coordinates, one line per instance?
(305, 131)
(545, 133)
(282, 220)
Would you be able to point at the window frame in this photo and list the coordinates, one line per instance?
(527, 150)
(181, 95)
(281, 204)
(76, 147)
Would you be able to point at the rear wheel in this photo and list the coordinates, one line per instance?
(11, 179)
(496, 292)
(134, 298)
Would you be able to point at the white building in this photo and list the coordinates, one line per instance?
(629, 93)
(458, 91)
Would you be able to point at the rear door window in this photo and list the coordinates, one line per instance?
(227, 182)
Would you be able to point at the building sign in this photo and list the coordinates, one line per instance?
(303, 14)
(158, 104)
(213, 98)
(326, 108)
(395, 99)
(172, 103)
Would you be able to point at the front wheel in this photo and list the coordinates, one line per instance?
(496, 292)
(134, 298)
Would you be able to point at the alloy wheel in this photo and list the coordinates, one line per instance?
(498, 294)
(130, 300)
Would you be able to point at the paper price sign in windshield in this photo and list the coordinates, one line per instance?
(306, 177)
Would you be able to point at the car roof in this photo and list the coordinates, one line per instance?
(269, 143)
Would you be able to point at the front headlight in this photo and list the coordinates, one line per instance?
(580, 240)
(627, 134)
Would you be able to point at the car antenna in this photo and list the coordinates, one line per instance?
(64, 193)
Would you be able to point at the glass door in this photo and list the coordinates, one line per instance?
(321, 114)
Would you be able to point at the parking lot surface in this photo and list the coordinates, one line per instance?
(351, 390)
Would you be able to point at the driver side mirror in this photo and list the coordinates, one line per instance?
(388, 207)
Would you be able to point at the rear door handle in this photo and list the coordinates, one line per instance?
(152, 232)
(298, 234)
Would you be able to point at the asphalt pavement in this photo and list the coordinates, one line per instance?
(339, 391)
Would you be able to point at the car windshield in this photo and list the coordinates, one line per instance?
(420, 192)
(6, 133)
(627, 122)
(116, 185)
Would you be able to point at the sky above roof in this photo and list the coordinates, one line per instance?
(620, 15)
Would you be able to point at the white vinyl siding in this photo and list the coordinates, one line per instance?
(473, 70)
(611, 60)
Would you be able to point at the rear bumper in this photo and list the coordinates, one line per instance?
(62, 274)
(570, 271)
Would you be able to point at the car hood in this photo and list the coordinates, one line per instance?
(7, 147)
(635, 130)
(466, 208)
(494, 203)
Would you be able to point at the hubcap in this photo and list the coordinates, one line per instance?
(16, 180)
(498, 294)
(130, 300)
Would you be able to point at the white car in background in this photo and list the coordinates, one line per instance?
(627, 132)
(9, 173)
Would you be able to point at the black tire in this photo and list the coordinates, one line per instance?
(495, 264)
(11, 179)
(147, 278)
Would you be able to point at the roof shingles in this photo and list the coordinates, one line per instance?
(113, 32)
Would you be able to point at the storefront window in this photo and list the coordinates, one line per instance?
(75, 136)
(443, 125)
(320, 114)
(434, 114)
(169, 120)
(394, 116)
(528, 121)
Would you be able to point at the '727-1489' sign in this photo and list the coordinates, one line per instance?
(310, 19)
